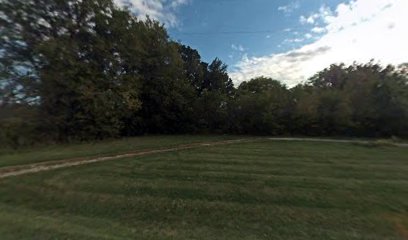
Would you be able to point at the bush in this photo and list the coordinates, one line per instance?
(17, 132)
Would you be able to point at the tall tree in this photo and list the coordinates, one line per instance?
(166, 94)
(217, 79)
(215, 92)
(194, 69)
(81, 73)
(262, 107)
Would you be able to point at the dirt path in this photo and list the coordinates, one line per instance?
(333, 141)
(51, 165)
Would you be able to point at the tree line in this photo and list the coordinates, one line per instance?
(86, 70)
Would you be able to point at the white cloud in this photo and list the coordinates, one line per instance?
(308, 35)
(310, 19)
(239, 48)
(359, 30)
(314, 18)
(294, 40)
(318, 30)
(177, 3)
(161, 10)
(288, 9)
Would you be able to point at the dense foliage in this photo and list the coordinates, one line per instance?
(73, 69)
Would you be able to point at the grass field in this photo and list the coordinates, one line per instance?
(258, 190)
(11, 157)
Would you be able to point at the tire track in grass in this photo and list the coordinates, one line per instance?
(51, 165)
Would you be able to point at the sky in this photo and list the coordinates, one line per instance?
(288, 40)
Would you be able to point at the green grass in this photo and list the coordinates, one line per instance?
(10, 157)
(260, 190)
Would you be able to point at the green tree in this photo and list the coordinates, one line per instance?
(262, 107)
(166, 93)
(214, 94)
(193, 67)
(82, 74)
(364, 99)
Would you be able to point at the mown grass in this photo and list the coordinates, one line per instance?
(259, 190)
(10, 157)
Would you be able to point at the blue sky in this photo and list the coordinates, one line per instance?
(288, 40)
(230, 28)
